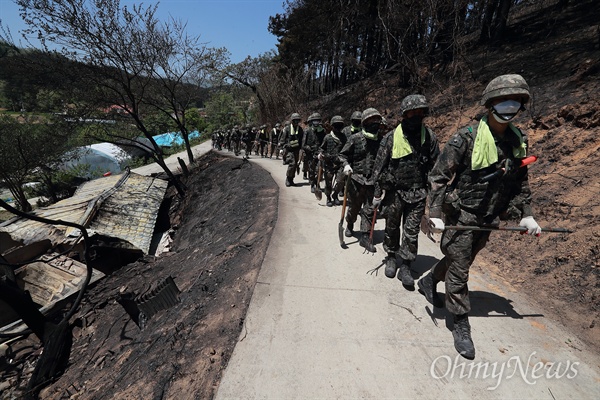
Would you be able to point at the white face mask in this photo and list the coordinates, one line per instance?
(505, 111)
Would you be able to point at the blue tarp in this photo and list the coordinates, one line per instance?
(172, 138)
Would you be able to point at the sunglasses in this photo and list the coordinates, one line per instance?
(507, 109)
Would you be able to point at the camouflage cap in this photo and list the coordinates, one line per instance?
(413, 102)
(295, 117)
(356, 116)
(370, 113)
(337, 119)
(505, 85)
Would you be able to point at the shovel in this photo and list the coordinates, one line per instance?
(341, 225)
(318, 192)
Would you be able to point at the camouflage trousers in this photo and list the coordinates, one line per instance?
(292, 156)
(333, 172)
(403, 215)
(459, 249)
(361, 203)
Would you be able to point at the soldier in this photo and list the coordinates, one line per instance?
(234, 139)
(313, 137)
(354, 126)
(328, 156)
(248, 139)
(358, 157)
(291, 141)
(263, 141)
(405, 157)
(472, 153)
(273, 140)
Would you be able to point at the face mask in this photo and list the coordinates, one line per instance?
(373, 127)
(505, 111)
(413, 123)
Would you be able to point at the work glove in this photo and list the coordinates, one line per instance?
(281, 152)
(347, 170)
(532, 227)
(320, 157)
(376, 202)
(436, 225)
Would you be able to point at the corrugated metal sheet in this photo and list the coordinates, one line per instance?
(122, 206)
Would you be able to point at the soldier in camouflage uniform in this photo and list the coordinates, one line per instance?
(328, 155)
(263, 141)
(358, 157)
(291, 142)
(274, 140)
(313, 137)
(405, 157)
(471, 154)
(354, 126)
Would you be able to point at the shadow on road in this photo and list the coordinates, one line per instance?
(483, 304)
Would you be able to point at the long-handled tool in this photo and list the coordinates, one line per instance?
(502, 228)
(373, 222)
(300, 158)
(524, 162)
(318, 192)
(341, 224)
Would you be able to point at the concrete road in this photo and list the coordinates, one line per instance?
(323, 324)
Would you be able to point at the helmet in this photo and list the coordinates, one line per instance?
(505, 85)
(356, 115)
(336, 119)
(368, 113)
(277, 125)
(314, 117)
(413, 102)
(295, 117)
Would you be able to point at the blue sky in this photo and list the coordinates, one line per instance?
(239, 25)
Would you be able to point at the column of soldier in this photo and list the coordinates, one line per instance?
(398, 173)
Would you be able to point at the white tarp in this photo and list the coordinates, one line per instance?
(101, 158)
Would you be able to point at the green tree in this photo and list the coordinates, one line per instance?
(29, 145)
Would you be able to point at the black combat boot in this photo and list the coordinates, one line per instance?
(349, 230)
(364, 242)
(462, 336)
(287, 181)
(336, 201)
(404, 274)
(304, 176)
(427, 287)
(329, 202)
(390, 265)
(312, 187)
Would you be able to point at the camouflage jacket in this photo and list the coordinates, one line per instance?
(274, 136)
(286, 137)
(506, 195)
(331, 146)
(312, 140)
(360, 153)
(408, 174)
(349, 131)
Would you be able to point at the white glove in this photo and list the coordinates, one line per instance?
(280, 152)
(436, 225)
(532, 227)
(376, 202)
(347, 169)
(320, 156)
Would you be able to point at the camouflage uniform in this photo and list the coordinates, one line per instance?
(313, 138)
(354, 127)
(292, 143)
(405, 182)
(263, 141)
(360, 152)
(469, 202)
(332, 168)
(274, 140)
